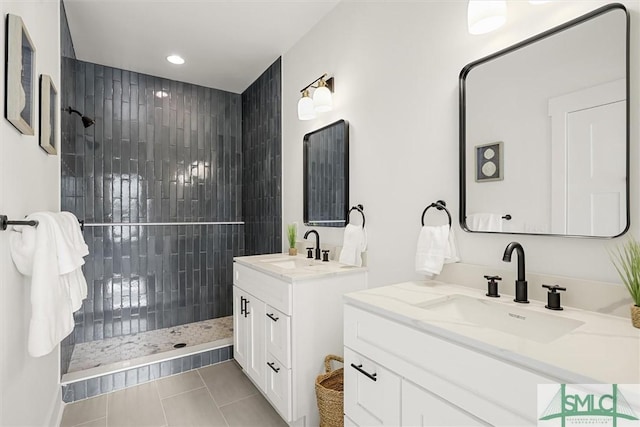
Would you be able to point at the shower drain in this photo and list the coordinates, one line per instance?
(180, 345)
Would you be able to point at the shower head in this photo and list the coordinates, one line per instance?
(86, 121)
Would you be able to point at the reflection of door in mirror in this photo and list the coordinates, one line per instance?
(587, 180)
(326, 175)
(558, 104)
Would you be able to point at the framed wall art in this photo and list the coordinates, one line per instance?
(49, 114)
(20, 78)
(489, 162)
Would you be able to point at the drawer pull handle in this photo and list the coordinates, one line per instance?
(276, 370)
(358, 368)
(272, 317)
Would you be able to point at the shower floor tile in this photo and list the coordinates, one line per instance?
(112, 350)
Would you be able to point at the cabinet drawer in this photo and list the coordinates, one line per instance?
(278, 335)
(272, 291)
(492, 389)
(279, 386)
(371, 392)
(422, 408)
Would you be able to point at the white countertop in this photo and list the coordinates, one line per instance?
(309, 269)
(604, 349)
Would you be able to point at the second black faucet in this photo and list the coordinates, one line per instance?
(317, 241)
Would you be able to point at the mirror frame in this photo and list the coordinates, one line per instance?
(305, 156)
(462, 116)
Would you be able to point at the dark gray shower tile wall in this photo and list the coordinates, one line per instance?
(66, 43)
(262, 163)
(142, 278)
(67, 96)
(150, 158)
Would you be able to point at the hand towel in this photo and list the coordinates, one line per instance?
(33, 250)
(452, 255)
(51, 255)
(484, 222)
(432, 250)
(354, 243)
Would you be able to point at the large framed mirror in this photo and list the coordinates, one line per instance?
(326, 175)
(544, 132)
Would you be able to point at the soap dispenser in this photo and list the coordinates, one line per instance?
(492, 286)
(553, 297)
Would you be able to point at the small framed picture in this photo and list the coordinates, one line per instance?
(489, 163)
(20, 78)
(49, 115)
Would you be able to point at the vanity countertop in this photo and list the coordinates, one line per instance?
(603, 349)
(296, 268)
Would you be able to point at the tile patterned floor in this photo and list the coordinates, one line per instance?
(99, 353)
(217, 395)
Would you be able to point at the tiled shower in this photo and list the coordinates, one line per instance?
(172, 182)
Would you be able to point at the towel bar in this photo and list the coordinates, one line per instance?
(4, 222)
(358, 208)
(439, 205)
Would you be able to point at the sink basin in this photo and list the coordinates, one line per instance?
(507, 318)
(291, 264)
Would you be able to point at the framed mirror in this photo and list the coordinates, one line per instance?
(326, 175)
(544, 132)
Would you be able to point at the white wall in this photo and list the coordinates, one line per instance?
(29, 181)
(396, 67)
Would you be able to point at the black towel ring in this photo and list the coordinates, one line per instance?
(358, 208)
(439, 205)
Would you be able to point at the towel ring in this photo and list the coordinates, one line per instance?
(358, 208)
(439, 205)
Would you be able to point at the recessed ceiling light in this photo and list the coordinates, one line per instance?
(161, 94)
(175, 59)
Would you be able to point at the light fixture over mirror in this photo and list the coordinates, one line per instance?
(544, 132)
(484, 16)
(322, 100)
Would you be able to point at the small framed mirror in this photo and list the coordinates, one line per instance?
(544, 132)
(326, 175)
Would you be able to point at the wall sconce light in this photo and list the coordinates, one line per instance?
(322, 100)
(485, 16)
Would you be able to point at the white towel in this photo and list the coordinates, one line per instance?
(433, 249)
(452, 255)
(484, 222)
(39, 253)
(354, 243)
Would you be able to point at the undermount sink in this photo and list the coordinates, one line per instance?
(507, 318)
(297, 263)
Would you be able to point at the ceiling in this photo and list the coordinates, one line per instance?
(226, 44)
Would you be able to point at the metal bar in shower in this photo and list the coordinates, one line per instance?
(124, 224)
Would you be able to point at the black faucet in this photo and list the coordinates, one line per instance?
(521, 283)
(317, 241)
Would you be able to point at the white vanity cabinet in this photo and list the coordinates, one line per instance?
(424, 380)
(285, 322)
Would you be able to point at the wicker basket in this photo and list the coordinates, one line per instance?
(330, 394)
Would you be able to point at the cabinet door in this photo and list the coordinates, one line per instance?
(279, 386)
(256, 364)
(422, 408)
(278, 335)
(371, 392)
(240, 328)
